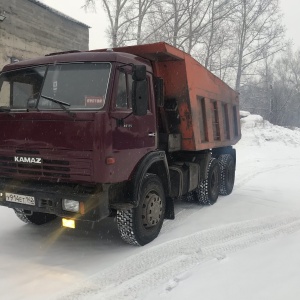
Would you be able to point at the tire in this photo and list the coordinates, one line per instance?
(36, 218)
(207, 192)
(141, 225)
(227, 166)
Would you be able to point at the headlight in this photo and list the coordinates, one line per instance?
(70, 205)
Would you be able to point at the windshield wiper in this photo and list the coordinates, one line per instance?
(56, 101)
(4, 109)
(62, 104)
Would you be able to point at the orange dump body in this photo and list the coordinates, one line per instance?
(208, 109)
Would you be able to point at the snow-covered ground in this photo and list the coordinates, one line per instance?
(246, 246)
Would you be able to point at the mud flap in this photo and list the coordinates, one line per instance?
(169, 213)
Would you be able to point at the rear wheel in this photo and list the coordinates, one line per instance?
(141, 225)
(36, 218)
(207, 192)
(227, 166)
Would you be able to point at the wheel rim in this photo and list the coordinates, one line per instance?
(151, 210)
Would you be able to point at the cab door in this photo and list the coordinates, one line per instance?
(132, 136)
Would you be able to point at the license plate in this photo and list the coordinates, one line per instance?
(28, 200)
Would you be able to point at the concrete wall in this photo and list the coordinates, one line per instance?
(32, 29)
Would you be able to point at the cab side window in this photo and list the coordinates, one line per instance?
(124, 92)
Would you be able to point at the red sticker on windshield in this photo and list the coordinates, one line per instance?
(94, 101)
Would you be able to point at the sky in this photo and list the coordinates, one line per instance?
(291, 11)
(99, 22)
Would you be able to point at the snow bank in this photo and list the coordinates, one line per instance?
(256, 132)
(244, 113)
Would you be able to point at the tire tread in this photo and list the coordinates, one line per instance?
(224, 161)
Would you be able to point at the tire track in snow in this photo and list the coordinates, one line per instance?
(254, 173)
(187, 209)
(182, 211)
(153, 266)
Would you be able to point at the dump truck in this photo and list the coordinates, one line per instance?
(123, 132)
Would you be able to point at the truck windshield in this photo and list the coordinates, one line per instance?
(81, 85)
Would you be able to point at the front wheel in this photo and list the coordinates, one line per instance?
(141, 225)
(36, 218)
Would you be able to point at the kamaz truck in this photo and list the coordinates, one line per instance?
(117, 132)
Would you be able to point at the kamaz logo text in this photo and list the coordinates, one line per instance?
(28, 160)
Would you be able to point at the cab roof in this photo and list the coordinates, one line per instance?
(77, 56)
(157, 52)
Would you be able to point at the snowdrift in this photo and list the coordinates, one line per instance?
(257, 132)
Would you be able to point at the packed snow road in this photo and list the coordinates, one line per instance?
(227, 251)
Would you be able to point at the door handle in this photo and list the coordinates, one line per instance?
(151, 134)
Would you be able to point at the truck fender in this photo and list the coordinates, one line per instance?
(155, 163)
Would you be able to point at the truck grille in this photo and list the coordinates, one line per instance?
(49, 168)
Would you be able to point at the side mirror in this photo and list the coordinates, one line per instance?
(31, 103)
(140, 97)
(139, 72)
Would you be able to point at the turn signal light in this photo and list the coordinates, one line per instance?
(110, 160)
(81, 208)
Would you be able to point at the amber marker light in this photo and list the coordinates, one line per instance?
(68, 223)
(81, 208)
(110, 160)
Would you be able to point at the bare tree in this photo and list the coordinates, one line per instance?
(117, 11)
(178, 19)
(275, 93)
(181, 22)
(286, 90)
(143, 8)
(214, 38)
(219, 33)
(230, 37)
(257, 91)
(258, 27)
(196, 23)
(156, 24)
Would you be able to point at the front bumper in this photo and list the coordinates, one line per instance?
(48, 198)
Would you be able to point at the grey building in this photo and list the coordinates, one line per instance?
(29, 28)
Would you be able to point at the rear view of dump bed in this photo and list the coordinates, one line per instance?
(200, 109)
